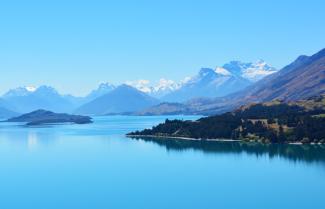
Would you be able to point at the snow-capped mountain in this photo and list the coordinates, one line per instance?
(232, 77)
(27, 99)
(20, 91)
(208, 83)
(250, 71)
(163, 87)
(30, 90)
(166, 85)
(221, 81)
(141, 85)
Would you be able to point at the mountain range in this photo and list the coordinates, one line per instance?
(302, 79)
(211, 91)
(28, 99)
(221, 81)
(208, 83)
(162, 88)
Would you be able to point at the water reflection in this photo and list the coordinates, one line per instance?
(305, 153)
(32, 140)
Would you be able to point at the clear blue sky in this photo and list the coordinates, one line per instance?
(74, 45)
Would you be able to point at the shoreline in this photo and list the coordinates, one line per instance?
(209, 140)
(184, 138)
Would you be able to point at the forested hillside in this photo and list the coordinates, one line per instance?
(274, 122)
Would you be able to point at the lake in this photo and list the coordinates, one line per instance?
(95, 166)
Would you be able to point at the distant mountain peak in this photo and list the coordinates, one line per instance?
(20, 91)
(250, 71)
(47, 89)
(208, 74)
(27, 99)
(125, 86)
(222, 71)
(165, 84)
(106, 86)
(206, 71)
(30, 88)
(212, 79)
(102, 89)
(141, 85)
(123, 98)
(208, 82)
(161, 88)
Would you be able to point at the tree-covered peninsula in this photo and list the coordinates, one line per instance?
(273, 122)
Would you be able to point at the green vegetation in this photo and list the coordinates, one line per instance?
(274, 122)
(40, 117)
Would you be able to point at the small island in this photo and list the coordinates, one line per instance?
(272, 122)
(40, 117)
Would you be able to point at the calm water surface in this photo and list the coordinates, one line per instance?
(96, 166)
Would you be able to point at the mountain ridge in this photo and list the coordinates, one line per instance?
(122, 99)
(44, 97)
(301, 79)
(170, 91)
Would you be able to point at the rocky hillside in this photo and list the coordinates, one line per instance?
(303, 78)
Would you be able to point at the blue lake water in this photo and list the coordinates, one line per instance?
(95, 166)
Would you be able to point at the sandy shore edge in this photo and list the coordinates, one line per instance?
(184, 138)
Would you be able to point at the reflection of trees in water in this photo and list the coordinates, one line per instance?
(306, 153)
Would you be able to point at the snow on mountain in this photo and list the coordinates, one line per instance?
(185, 80)
(163, 87)
(20, 91)
(27, 99)
(30, 88)
(166, 85)
(141, 85)
(232, 77)
(208, 83)
(222, 71)
(205, 76)
(250, 71)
